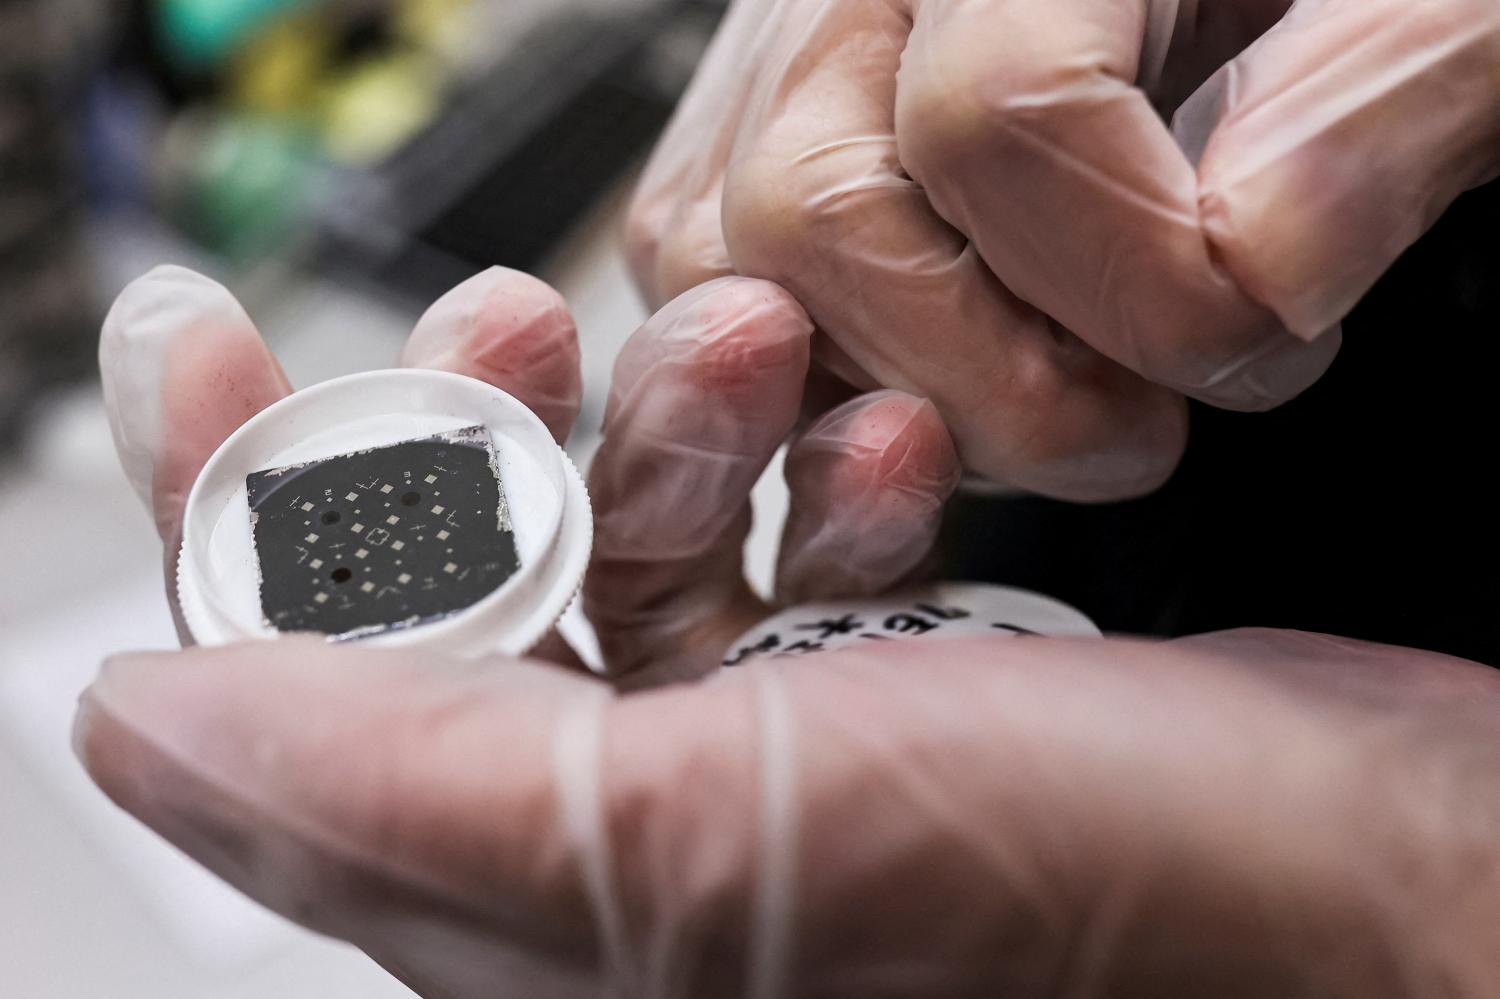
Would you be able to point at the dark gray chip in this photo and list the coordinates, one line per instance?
(388, 538)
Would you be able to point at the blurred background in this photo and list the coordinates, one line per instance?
(339, 164)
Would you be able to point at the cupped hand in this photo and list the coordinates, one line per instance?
(703, 396)
(1253, 814)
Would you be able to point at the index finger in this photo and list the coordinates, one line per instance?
(702, 397)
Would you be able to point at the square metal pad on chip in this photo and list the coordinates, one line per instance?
(382, 539)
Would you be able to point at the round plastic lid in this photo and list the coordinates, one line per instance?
(942, 610)
(240, 566)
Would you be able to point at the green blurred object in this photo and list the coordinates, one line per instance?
(243, 182)
(202, 33)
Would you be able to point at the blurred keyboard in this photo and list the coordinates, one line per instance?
(524, 154)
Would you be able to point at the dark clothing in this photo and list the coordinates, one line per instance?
(1366, 508)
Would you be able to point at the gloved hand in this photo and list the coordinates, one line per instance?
(1248, 814)
(960, 191)
(703, 396)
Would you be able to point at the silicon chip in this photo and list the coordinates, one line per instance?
(382, 539)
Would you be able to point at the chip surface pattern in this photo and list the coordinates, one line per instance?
(382, 539)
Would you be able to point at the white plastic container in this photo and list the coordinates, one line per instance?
(942, 610)
(543, 498)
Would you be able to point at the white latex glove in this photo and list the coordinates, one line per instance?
(702, 398)
(979, 201)
(1247, 815)
(1256, 814)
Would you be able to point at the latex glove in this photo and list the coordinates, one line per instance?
(702, 398)
(704, 395)
(1254, 814)
(961, 190)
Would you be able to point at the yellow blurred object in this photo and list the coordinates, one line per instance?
(365, 108)
(436, 25)
(283, 70)
(374, 109)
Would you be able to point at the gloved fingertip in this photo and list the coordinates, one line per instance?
(732, 297)
(1284, 368)
(922, 457)
(193, 745)
(85, 725)
(117, 697)
(1150, 437)
(171, 336)
(165, 285)
(511, 330)
(868, 483)
(740, 345)
(151, 314)
(742, 327)
(1289, 254)
(498, 311)
(898, 439)
(182, 278)
(151, 311)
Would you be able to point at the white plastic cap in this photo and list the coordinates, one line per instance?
(218, 578)
(942, 610)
